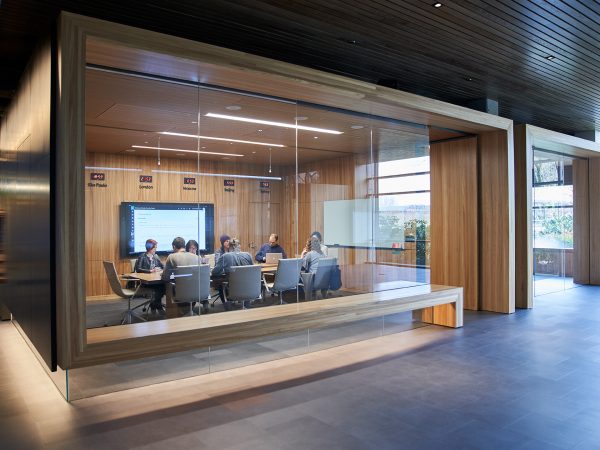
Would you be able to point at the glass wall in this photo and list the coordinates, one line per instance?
(552, 222)
(185, 181)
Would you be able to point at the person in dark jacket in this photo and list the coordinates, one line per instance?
(270, 247)
(149, 262)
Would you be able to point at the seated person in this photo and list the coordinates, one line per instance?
(311, 255)
(192, 247)
(149, 262)
(324, 248)
(178, 258)
(235, 257)
(225, 247)
(270, 247)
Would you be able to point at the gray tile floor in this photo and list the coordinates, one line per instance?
(530, 380)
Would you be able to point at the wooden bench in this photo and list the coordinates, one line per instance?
(440, 305)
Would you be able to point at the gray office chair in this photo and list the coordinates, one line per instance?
(286, 277)
(129, 294)
(191, 284)
(243, 285)
(319, 281)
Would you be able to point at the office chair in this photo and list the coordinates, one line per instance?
(319, 281)
(286, 278)
(243, 285)
(129, 294)
(191, 284)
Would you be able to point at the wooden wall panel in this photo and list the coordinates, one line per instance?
(594, 211)
(454, 256)
(496, 223)
(523, 224)
(246, 213)
(581, 222)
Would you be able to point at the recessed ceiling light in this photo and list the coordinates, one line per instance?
(260, 131)
(145, 142)
(184, 151)
(357, 127)
(203, 146)
(437, 5)
(130, 150)
(315, 137)
(233, 107)
(253, 152)
(550, 57)
(194, 122)
(300, 118)
(275, 124)
(211, 138)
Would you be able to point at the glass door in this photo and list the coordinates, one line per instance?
(552, 222)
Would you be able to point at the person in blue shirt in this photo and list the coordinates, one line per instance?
(270, 247)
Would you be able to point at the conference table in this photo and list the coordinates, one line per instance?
(151, 278)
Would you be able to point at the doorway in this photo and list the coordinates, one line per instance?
(552, 222)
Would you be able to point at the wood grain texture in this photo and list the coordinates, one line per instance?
(70, 197)
(523, 211)
(594, 211)
(581, 222)
(246, 213)
(496, 222)
(221, 67)
(160, 337)
(454, 209)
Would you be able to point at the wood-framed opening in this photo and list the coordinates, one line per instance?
(490, 281)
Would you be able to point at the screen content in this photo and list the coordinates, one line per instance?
(163, 222)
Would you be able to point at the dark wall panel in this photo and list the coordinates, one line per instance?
(26, 197)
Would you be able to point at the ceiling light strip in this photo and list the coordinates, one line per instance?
(227, 175)
(210, 138)
(185, 151)
(275, 124)
(112, 168)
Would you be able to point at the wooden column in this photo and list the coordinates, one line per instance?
(454, 256)
(496, 222)
(523, 209)
(594, 211)
(581, 222)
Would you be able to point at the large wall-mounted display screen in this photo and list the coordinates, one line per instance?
(163, 222)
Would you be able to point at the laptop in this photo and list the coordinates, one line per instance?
(209, 259)
(272, 258)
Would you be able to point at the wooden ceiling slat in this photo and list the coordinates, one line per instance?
(501, 44)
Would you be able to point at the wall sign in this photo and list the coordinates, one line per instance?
(229, 185)
(188, 183)
(97, 176)
(146, 179)
(265, 187)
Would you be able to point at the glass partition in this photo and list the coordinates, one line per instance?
(200, 200)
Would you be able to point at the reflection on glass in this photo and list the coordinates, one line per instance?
(203, 200)
(552, 222)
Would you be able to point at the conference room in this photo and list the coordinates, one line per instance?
(169, 158)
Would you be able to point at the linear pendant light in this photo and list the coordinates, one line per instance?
(275, 124)
(210, 138)
(185, 151)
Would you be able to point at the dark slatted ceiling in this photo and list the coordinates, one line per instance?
(462, 51)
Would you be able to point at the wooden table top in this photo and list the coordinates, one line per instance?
(154, 277)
